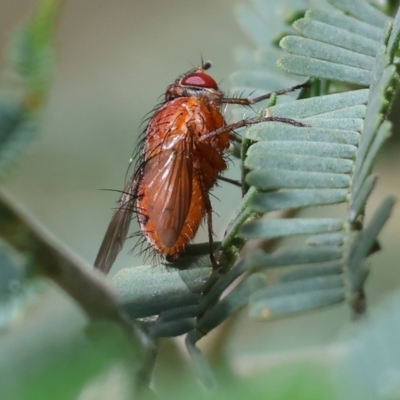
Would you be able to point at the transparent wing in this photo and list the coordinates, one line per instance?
(117, 230)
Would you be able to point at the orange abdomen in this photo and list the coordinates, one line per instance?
(179, 169)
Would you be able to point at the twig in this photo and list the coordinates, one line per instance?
(87, 287)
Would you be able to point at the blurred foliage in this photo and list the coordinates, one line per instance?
(305, 381)
(31, 58)
(105, 349)
(30, 55)
(31, 52)
(342, 46)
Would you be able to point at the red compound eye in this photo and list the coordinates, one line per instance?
(199, 79)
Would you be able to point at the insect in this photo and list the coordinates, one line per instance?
(180, 162)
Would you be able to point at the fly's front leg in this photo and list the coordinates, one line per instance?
(252, 121)
(248, 101)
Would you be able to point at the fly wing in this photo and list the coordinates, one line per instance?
(117, 230)
(168, 177)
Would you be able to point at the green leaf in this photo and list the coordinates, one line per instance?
(322, 51)
(311, 300)
(296, 198)
(347, 23)
(305, 255)
(233, 302)
(267, 229)
(362, 10)
(324, 70)
(258, 158)
(321, 106)
(345, 39)
(365, 241)
(272, 179)
(325, 162)
(320, 269)
(326, 239)
(149, 290)
(284, 132)
(358, 202)
(335, 46)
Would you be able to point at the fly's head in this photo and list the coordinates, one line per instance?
(195, 84)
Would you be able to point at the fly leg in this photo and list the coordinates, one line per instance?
(207, 205)
(248, 122)
(248, 101)
(252, 121)
(231, 181)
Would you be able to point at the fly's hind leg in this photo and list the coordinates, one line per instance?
(207, 203)
(208, 209)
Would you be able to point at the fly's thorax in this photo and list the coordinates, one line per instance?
(180, 117)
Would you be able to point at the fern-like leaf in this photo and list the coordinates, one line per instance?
(328, 161)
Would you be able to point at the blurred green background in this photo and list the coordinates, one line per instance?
(114, 60)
